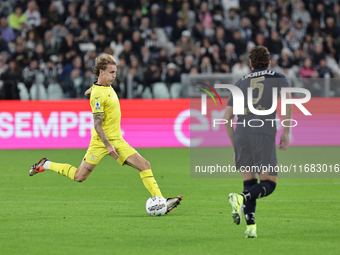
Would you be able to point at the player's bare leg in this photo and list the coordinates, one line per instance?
(83, 171)
(144, 167)
(78, 174)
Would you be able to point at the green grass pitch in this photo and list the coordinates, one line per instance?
(50, 214)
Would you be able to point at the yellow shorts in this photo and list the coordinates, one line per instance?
(97, 151)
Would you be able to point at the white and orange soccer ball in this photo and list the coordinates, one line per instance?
(156, 206)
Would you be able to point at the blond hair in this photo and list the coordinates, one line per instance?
(101, 62)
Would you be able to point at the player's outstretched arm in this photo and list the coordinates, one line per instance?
(98, 120)
(88, 92)
(284, 139)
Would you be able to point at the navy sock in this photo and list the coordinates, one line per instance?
(262, 189)
(250, 206)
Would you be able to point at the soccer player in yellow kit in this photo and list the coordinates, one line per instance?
(106, 137)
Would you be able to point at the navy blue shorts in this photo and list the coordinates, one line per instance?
(255, 150)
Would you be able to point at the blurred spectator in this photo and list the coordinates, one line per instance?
(204, 17)
(163, 57)
(253, 14)
(30, 73)
(39, 55)
(206, 67)
(178, 56)
(10, 79)
(100, 16)
(172, 75)
(50, 46)
(145, 56)
(6, 31)
(323, 69)
(125, 28)
(84, 16)
(232, 20)
(262, 28)
(136, 18)
(84, 41)
(153, 44)
(285, 60)
(118, 45)
(291, 42)
(152, 75)
(239, 69)
(16, 18)
(336, 14)
(239, 44)
(3, 45)
(53, 16)
(59, 32)
(188, 16)
(50, 73)
(198, 32)
(245, 30)
(271, 16)
(110, 30)
(123, 72)
(20, 56)
(90, 58)
(102, 42)
(139, 73)
(154, 16)
(301, 14)
(168, 19)
(230, 55)
(188, 64)
(186, 43)
(70, 14)
(227, 4)
(144, 27)
(93, 29)
(299, 30)
(177, 31)
(318, 54)
(308, 71)
(73, 85)
(274, 43)
(126, 52)
(220, 38)
(33, 17)
(299, 57)
(32, 40)
(74, 27)
(69, 44)
(330, 47)
(274, 64)
(331, 28)
(77, 63)
(137, 43)
(319, 14)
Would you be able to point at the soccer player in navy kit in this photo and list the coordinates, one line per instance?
(254, 144)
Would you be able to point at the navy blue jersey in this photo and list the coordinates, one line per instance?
(262, 81)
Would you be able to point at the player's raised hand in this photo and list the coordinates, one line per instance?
(112, 152)
(284, 141)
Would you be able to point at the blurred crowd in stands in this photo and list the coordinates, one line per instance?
(48, 47)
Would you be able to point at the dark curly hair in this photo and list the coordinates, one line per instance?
(260, 57)
(101, 62)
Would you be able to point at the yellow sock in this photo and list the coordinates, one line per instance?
(150, 183)
(63, 169)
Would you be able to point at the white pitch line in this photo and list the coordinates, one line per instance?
(195, 201)
(163, 186)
